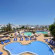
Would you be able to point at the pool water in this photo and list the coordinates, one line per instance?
(37, 47)
(27, 33)
(43, 32)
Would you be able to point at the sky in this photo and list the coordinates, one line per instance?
(33, 12)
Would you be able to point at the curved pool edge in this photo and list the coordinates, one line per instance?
(27, 51)
(54, 53)
(6, 51)
(9, 53)
(49, 47)
(52, 50)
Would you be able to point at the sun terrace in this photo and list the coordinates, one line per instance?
(27, 42)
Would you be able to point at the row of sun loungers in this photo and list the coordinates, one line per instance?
(6, 41)
(21, 39)
(1, 53)
(2, 42)
(51, 42)
(26, 38)
(15, 39)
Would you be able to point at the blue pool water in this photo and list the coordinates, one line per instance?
(43, 32)
(27, 33)
(36, 47)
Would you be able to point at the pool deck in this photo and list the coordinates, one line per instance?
(24, 42)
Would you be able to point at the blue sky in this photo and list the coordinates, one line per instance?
(41, 12)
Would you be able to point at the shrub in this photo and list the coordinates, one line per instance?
(52, 30)
(46, 35)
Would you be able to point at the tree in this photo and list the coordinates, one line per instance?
(3, 28)
(22, 27)
(52, 30)
(9, 28)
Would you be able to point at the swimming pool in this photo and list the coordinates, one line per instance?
(43, 32)
(36, 47)
(27, 33)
